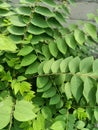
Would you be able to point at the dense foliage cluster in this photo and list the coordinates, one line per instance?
(48, 78)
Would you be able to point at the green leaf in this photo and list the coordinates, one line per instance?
(76, 87)
(80, 124)
(16, 39)
(91, 30)
(59, 17)
(50, 2)
(24, 87)
(6, 44)
(16, 30)
(42, 81)
(28, 59)
(55, 67)
(47, 66)
(53, 49)
(21, 78)
(27, 2)
(59, 79)
(74, 65)
(95, 66)
(24, 111)
(43, 11)
(46, 52)
(54, 100)
(58, 125)
(49, 93)
(45, 88)
(23, 10)
(17, 21)
(64, 64)
(47, 113)
(53, 23)
(70, 40)
(35, 30)
(79, 36)
(67, 90)
(33, 68)
(15, 86)
(40, 67)
(39, 20)
(39, 123)
(61, 44)
(89, 91)
(97, 94)
(25, 50)
(86, 65)
(96, 113)
(5, 111)
(96, 19)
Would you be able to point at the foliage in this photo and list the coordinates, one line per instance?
(48, 76)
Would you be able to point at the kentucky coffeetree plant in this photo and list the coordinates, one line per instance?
(48, 76)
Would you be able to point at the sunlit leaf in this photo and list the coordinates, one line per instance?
(24, 111)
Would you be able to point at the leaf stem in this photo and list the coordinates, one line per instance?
(11, 115)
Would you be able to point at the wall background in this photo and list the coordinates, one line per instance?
(80, 9)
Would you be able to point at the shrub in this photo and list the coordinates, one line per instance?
(48, 78)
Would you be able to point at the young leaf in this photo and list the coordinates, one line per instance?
(91, 30)
(76, 87)
(79, 36)
(28, 59)
(24, 111)
(74, 65)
